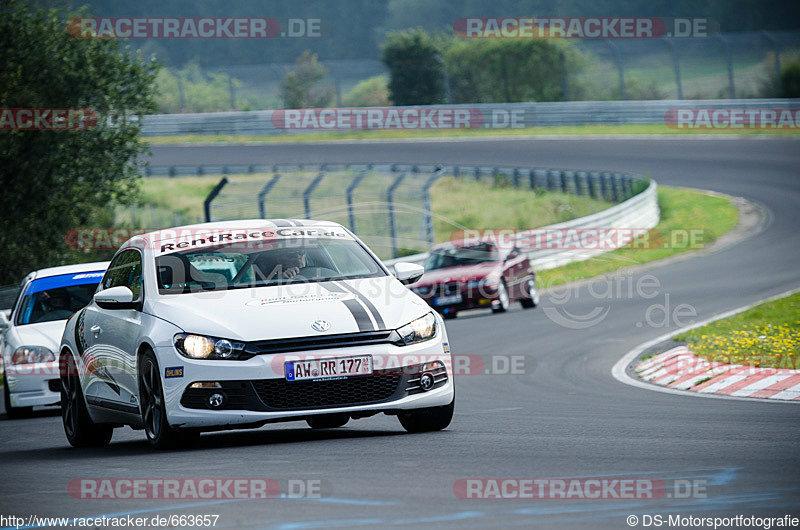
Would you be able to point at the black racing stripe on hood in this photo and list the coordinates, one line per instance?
(362, 318)
(372, 309)
(282, 222)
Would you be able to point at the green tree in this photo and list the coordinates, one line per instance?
(415, 68)
(790, 81)
(508, 70)
(301, 88)
(56, 180)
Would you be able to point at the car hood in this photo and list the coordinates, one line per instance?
(47, 334)
(461, 273)
(287, 311)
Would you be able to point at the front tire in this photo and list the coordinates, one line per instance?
(81, 431)
(502, 298)
(429, 419)
(153, 406)
(532, 299)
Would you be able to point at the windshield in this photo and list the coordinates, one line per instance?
(457, 256)
(57, 297)
(274, 262)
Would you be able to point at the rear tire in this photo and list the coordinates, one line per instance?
(154, 413)
(426, 420)
(13, 413)
(81, 431)
(450, 315)
(328, 421)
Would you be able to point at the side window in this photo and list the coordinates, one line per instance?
(125, 269)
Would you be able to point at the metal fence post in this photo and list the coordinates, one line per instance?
(310, 189)
(390, 203)
(427, 219)
(777, 52)
(620, 68)
(729, 60)
(676, 62)
(591, 180)
(211, 196)
(262, 195)
(349, 194)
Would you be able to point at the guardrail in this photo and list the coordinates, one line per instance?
(639, 212)
(492, 116)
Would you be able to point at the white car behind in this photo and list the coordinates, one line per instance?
(33, 330)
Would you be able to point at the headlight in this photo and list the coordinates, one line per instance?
(32, 354)
(202, 347)
(419, 330)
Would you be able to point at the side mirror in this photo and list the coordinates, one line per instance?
(408, 272)
(119, 297)
(4, 323)
(512, 255)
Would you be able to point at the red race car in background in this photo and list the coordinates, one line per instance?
(467, 275)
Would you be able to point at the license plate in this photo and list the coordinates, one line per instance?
(328, 368)
(446, 300)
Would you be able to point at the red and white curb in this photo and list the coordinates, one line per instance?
(681, 369)
(731, 378)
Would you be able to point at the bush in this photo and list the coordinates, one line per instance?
(789, 86)
(372, 92)
(301, 88)
(201, 92)
(415, 68)
(505, 71)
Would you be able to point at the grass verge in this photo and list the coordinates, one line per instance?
(767, 335)
(705, 217)
(655, 128)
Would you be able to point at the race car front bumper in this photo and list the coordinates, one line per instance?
(257, 391)
(33, 384)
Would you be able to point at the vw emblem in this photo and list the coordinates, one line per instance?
(321, 325)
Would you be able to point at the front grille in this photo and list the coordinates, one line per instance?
(358, 390)
(445, 289)
(320, 342)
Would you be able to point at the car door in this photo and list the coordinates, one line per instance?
(112, 335)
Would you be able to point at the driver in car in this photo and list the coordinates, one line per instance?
(283, 263)
(56, 304)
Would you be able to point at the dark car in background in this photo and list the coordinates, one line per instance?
(463, 275)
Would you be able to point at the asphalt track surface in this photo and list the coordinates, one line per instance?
(564, 417)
